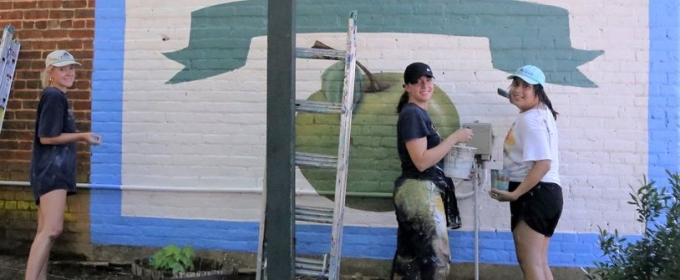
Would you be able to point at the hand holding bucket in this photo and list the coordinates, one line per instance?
(458, 163)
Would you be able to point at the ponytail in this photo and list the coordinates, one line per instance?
(543, 97)
(45, 76)
(402, 101)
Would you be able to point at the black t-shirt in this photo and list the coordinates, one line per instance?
(415, 123)
(53, 166)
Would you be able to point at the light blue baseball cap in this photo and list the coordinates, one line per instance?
(530, 74)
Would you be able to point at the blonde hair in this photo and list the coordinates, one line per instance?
(45, 76)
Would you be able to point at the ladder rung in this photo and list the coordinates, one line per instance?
(316, 160)
(314, 214)
(312, 267)
(318, 106)
(320, 53)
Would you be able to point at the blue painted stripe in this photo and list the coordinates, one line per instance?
(664, 88)
(107, 114)
(567, 249)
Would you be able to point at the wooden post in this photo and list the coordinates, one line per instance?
(280, 167)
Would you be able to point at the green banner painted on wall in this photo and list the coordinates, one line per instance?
(518, 32)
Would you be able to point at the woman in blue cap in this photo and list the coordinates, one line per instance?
(53, 162)
(531, 155)
(424, 198)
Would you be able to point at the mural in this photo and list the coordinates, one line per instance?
(179, 93)
(518, 32)
(221, 35)
(374, 164)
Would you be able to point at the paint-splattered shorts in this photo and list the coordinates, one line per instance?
(422, 239)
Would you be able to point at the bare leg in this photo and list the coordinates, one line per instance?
(41, 225)
(51, 215)
(529, 248)
(546, 268)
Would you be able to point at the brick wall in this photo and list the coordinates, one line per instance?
(41, 27)
(18, 222)
(193, 123)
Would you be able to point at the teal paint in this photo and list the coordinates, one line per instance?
(519, 32)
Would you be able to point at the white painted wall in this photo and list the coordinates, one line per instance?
(211, 133)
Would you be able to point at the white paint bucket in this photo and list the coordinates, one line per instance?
(459, 161)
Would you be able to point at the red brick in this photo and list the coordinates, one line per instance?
(22, 5)
(31, 34)
(41, 24)
(28, 75)
(66, 24)
(83, 85)
(24, 94)
(18, 84)
(84, 13)
(81, 105)
(12, 15)
(30, 55)
(56, 34)
(36, 14)
(61, 14)
(83, 116)
(27, 25)
(79, 23)
(75, 4)
(29, 104)
(49, 4)
(79, 94)
(34, 85)
(24, 114)
(70, 45)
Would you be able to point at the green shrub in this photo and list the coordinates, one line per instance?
(173, 258)
(656, 254)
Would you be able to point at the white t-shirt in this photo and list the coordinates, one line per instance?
(532, 137)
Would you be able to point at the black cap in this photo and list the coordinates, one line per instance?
(416, 70)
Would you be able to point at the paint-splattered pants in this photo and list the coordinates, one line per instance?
(422, 239)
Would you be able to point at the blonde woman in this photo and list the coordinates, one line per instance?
(53, 162)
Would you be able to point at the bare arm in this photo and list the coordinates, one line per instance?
(89, 137)
(424, 158)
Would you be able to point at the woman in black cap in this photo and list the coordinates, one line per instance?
(424, 198)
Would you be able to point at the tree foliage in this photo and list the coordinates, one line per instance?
(656, 255)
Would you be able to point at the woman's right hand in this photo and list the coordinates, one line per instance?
(92, 138)
(462, 135)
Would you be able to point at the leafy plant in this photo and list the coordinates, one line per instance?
(656, 255)
(173, 258)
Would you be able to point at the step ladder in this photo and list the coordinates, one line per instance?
(9, 54)
(326, 266)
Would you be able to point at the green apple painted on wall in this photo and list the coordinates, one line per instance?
(373, 160)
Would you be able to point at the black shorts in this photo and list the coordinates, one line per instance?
(540, 207)
(39, 192)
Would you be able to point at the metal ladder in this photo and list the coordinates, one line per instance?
(326, 266)
(9, 53)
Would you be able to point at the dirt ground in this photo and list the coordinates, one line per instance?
(13, 267)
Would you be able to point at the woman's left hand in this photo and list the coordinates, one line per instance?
(502, 195)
